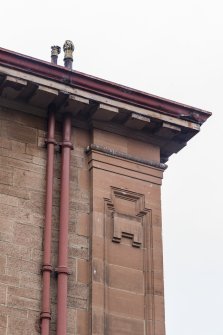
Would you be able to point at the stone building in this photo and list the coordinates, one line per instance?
(81, 167)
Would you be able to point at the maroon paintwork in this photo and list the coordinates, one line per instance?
(45, 315)
(62, 269)
(108, 89)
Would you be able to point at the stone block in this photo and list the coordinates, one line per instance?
(19, 132)
(79, 252)
(82, 322)
(28, 236)
(29, 180)
(3, 324)
(124, 326)
(77, 240)
(126, 304)
(74, 302)
(30, 280)
(127, 279)
(98, 270)
(23, 303)
(78, 290)
(124, 255)
(15, 265)
(83, 223)
(6, 177)
(98, 322)
(3, 292)
(83, 271)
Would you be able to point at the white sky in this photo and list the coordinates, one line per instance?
(173, 49)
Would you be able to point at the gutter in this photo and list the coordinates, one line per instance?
(102, 87)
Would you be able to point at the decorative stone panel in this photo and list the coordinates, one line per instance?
(127, 213)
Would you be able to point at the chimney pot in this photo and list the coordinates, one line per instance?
(55, 51)
(68, 49)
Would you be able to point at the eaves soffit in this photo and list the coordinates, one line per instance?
(27, 82)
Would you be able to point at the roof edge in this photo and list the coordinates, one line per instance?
(102, 87)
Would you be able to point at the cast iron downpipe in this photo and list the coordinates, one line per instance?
(45, 315)
(62, 268)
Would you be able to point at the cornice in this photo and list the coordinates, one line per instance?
(123, 155)
(102, 87)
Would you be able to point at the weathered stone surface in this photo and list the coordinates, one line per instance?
(115, 258)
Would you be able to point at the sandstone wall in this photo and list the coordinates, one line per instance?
(110, 300)
(22, 196)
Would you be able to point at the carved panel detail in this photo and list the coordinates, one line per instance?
(128, 210)
(127, 226)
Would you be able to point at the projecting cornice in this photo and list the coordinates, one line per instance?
(123, 155)
(32, 86)
(102, 87)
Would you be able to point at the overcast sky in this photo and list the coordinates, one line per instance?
(173, 49)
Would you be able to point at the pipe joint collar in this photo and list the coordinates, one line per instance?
(47, 267)
(67, 144)
(45, 315)
(62, 269)
(50, 141)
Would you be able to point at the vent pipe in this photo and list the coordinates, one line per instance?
(55, 51)
(68, 49)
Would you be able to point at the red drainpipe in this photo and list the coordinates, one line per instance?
(45, 315)
(62, 268)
